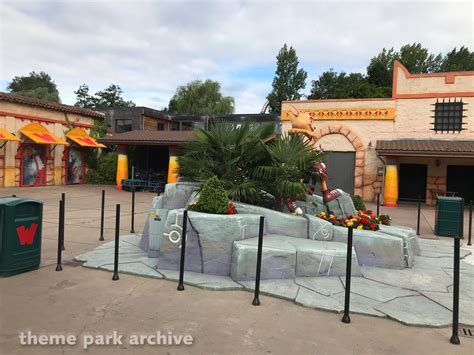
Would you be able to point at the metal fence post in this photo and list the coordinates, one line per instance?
(455, 337)
(470, 224)
(63, 198)
(102, 216)
(60, 235)
(117, 232)
(132, 228)
(346, 318)
(183, 251)
(418, 217)
(256, 299)
(378, 203)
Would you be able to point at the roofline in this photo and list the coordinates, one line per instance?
(424, 153)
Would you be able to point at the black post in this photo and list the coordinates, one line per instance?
(117, 231)
(256, 299)
(60, 234)
(132, 228)
(419, 214)
(63, 198)
(346, 318)
(183, 251)
(455, 337)
(470, 224)
(378, 203)
(102, 216)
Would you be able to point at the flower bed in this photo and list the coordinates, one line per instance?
(365, 219)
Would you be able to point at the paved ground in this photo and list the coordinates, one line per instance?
(82, 301)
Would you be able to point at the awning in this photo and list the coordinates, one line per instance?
(7, 136)
(39, 134)
(80, 137)
(426, 148)
(144, 137)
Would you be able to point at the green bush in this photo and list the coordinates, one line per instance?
(213, 198)
(358, 203)
(105, 171)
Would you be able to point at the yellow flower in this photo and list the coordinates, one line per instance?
(322, 214)
(350, 223)
(331, 216)
(360, 227)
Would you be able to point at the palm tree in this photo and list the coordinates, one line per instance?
(231, 152)
(288, 169)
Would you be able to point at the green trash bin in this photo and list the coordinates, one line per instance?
(449, 219)
(21, 223)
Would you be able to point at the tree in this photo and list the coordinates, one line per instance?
(455, 60)
(333, 85)
(108, 98)
(380, 69)
(418, 60)
(288, 81)
(198, 97)
(37, 85)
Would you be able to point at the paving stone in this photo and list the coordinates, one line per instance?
(416, 310)
(216, 236)
(136, 268)
(375, 290)
(445, 262)
(286, 289)
(324, 285)
(412, 279)
(277, 222)
(466, 307)
(316, 300)
(360, 304)
(211, 282)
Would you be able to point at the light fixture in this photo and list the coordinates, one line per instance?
(438, 162)
(369, 146)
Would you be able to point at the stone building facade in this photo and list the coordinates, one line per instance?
(46, 141)
(365, 136)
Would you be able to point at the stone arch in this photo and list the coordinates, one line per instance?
(356, 142)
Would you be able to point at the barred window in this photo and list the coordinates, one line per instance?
(448, 116)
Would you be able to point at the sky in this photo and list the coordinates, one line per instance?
(150, 48)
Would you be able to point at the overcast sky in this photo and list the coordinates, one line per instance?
(151, 47)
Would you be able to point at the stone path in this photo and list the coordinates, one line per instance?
(419, 296)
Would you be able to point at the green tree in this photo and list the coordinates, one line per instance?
(37, 85)
(212, 198)
(417, 59)
(108, 98)
(288, 81)
(458, 60)
(333, 85)
(200, 97)
(380, 69)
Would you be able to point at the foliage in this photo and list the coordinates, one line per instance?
(213, 198)
(358, 202)
(108, 98)
(105, 171)
(365, 219)
(229, 152)
(200, 97)
(36, 85)
(458, 60)
(288, 81)
(288, 166)
(331, 85)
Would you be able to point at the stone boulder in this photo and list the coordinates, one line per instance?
(342, 206)
(217, 234)
(277, 222)
(375, 248)
(318, 228)
(176, 195)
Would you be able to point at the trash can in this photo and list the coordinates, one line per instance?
(21, 222)
(449, 219)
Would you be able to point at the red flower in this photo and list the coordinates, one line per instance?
(372, 226)
(365, 220)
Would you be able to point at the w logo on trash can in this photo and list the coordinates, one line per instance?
(26, 236)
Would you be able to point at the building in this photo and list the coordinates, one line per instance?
(43, 143)
(419, 142)
(152, 137)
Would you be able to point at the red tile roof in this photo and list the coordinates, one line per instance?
(423, 147)
(143, 137)
(30, 101)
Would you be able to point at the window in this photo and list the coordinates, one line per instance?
(160, 126)
(448, 116)
(123, 125)
(187, 126)
(175, 126)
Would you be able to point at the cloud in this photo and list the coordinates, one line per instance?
(151, 47)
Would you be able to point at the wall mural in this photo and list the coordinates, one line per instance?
(75, 167)
(33, 165)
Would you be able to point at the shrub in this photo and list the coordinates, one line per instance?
(213, 198)
(105, 171)
(358, 203)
